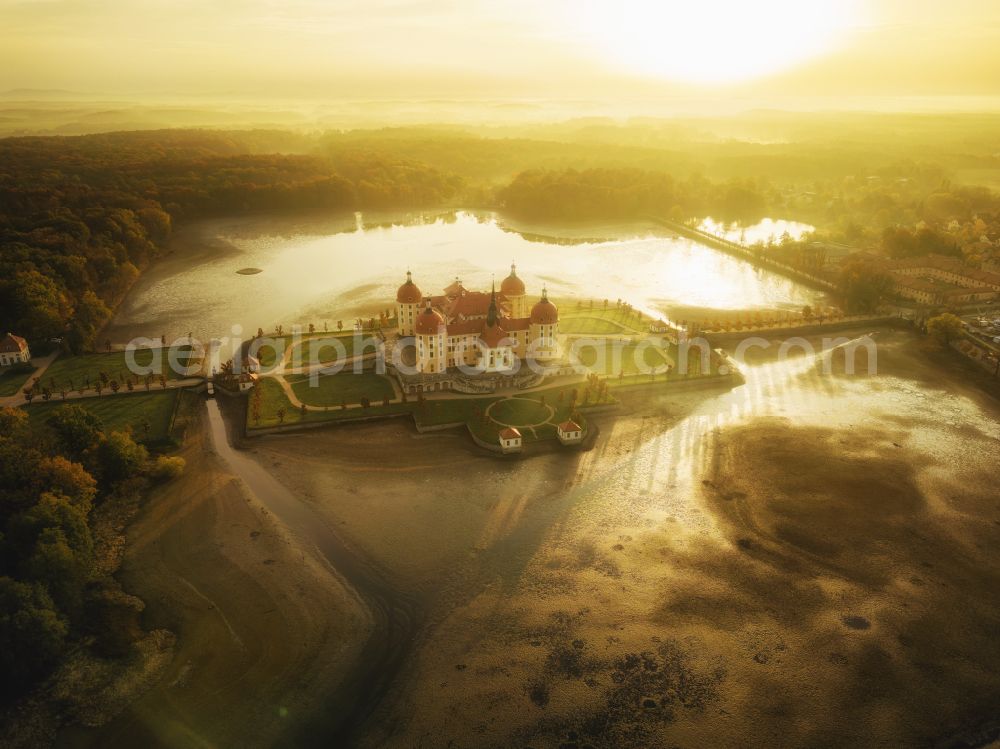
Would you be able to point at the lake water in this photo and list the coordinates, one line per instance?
(342, 268)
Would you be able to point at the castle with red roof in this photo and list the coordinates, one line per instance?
(490, 331)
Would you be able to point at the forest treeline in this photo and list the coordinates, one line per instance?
(81, 217)
(630, 193)
(897, 184)
(56, 583)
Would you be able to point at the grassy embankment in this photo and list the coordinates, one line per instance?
(344, 387)
(75, 372)
(13, 380)
(315, 348)
(149, 416)
(619, 362)
(579, 318)
(551, 405)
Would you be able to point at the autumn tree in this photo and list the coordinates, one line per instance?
(945, 327)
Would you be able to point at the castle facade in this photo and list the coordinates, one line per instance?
(489, 331)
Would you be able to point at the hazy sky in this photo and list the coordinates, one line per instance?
(516, 48)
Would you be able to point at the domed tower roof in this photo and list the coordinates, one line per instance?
(408, 293)
(428, 321)
(544, 312)
(512, 285)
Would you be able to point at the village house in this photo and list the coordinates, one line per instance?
(569, 432)
(510, 440)
(14, 350)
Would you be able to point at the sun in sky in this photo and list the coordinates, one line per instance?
(534, 49)
(714, 41)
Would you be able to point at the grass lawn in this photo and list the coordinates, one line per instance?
(528, 409)
(273, 398)
(520, 411)
(511, 411)
(310, 344)
(612, 358)
(592, 326)
(568, 312)
(435, 412)
(12, 381)
(324, 349)
(271, 348)
(119, 412)
(344, 387)
(268, 354)
(448, 410)
(73, 372)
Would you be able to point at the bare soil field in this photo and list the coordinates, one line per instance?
(805, 561)
(264, 630)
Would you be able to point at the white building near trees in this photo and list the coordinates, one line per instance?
(14, 350)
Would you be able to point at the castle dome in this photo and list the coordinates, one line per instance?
(512, 285)
(428, 322)
(408, 293)
(544, 312)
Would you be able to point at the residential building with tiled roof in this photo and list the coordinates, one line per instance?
(569, 432)
(937, 279)
(510, 440)
(14, 350)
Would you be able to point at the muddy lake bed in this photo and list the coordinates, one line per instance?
(803, 560)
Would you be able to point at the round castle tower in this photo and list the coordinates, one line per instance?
(512, 288)
(544, 327)
(407, 306)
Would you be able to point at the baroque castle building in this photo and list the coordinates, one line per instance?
(490, 331)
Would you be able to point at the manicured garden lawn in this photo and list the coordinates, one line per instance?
(344, 387)
(623, 364)
(72, 372)
(270, 349)
(324, 349)
(273, 398)
(591, 326)
(568, 312)
(611, 358)
(317, 344)
(519, 411)
(121, 411)
(12, 381)
(448, 410)
(526, 409)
